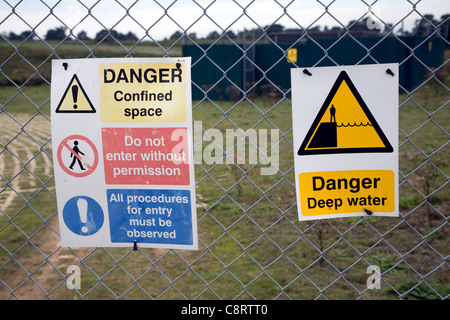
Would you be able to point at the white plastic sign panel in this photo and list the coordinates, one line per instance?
(122, 147)
(345, 126)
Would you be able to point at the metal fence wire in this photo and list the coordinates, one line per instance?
(251, 244)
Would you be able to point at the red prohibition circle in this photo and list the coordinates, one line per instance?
(90, 168)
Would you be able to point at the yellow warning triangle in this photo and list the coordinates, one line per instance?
(75, 99)
(344, 124)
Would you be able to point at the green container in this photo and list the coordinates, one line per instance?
(227, 71)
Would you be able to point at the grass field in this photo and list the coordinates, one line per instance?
(32, 55)
(251, 242)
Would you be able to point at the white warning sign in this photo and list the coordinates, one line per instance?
(345, 124)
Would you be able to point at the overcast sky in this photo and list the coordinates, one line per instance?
(201, 17)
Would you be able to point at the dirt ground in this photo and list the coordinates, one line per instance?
(26, 154)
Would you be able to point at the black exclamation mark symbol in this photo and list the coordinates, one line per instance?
(75, 95)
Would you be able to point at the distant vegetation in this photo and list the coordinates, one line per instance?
(60, 33)
(29, 62)
(425, 26)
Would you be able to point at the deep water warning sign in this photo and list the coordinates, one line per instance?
(345, 122)
(123, 157)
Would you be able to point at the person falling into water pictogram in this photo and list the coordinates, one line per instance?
(77, 151)
(332, 113)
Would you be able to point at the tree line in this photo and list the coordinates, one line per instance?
(423, 27)
(60, 33)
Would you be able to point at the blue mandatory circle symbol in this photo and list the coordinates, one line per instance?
(83, 215)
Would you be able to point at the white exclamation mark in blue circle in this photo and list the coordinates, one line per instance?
(83, 215)
(83, 210)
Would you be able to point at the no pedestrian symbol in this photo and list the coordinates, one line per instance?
(77, 156)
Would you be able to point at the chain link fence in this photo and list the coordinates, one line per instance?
(251, 244)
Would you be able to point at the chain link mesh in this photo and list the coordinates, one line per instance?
(251, 244)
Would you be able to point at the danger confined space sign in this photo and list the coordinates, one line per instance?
(132, 92)
(122, 133)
